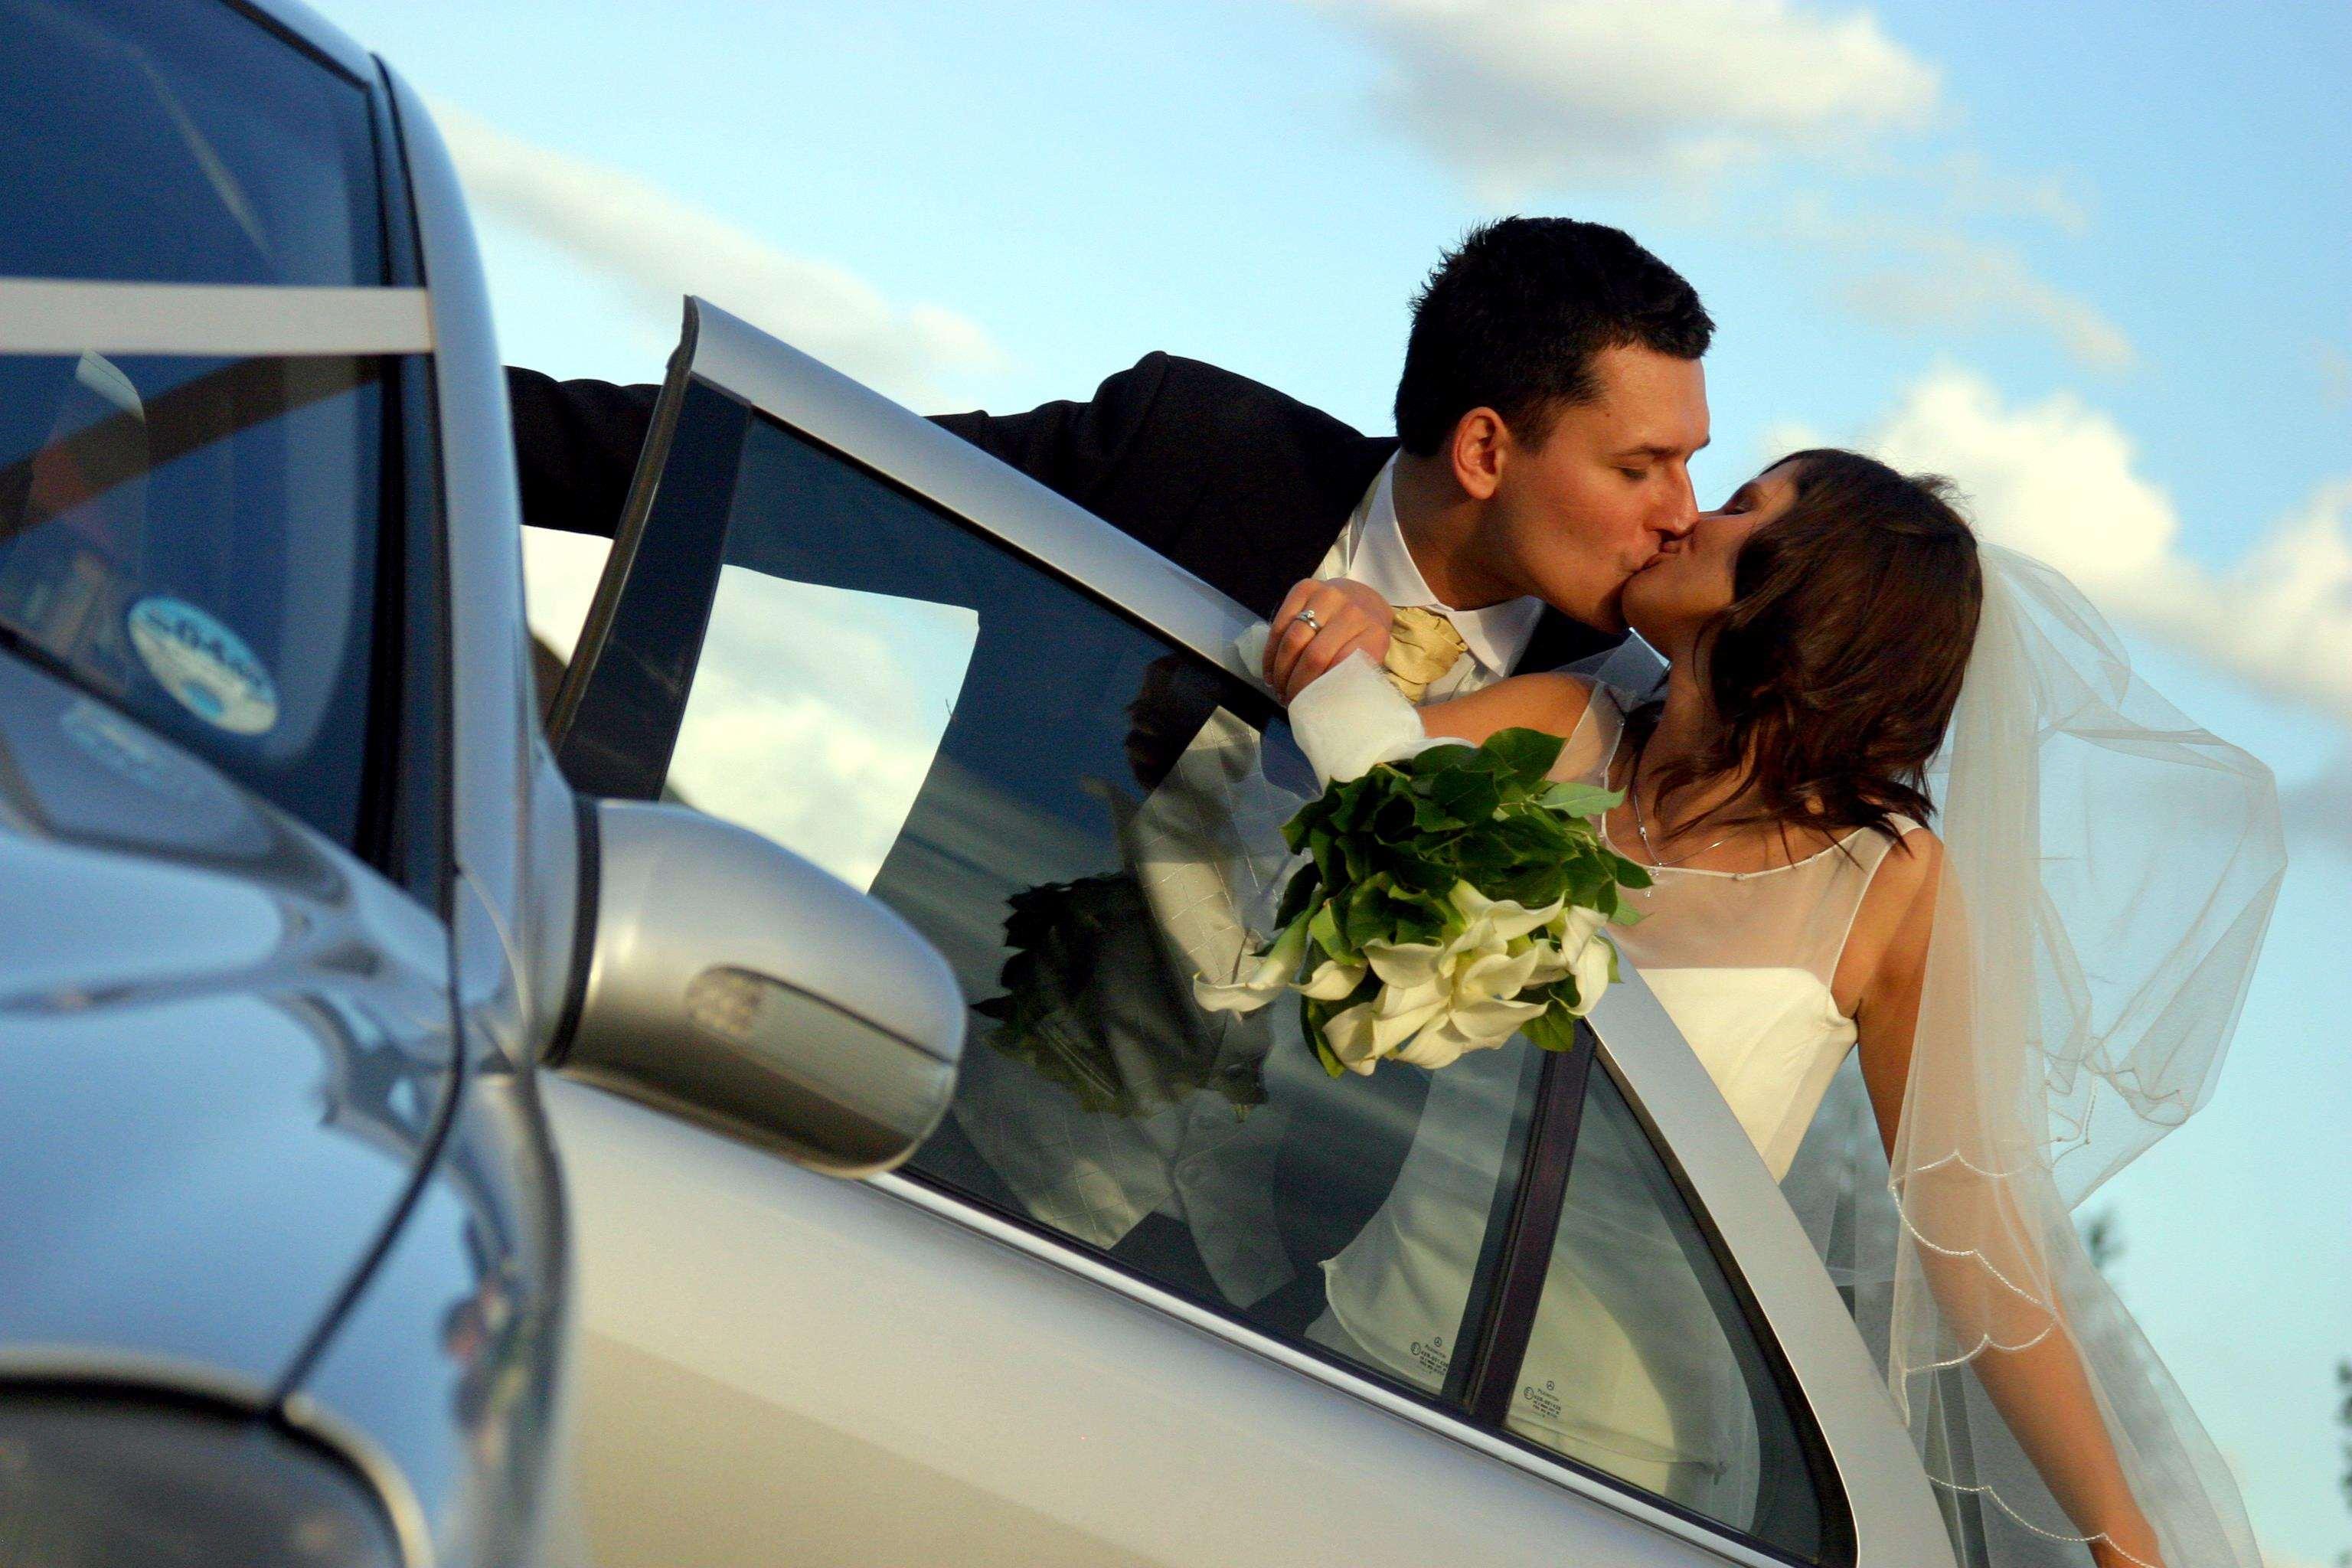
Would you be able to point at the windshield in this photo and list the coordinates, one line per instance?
(193, 540)
(160, 141)
(191, 535)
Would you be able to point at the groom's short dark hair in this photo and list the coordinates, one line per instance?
(1511, 319)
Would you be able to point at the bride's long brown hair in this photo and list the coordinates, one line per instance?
(1836, 665)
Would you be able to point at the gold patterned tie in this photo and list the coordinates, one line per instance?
(1423, 646)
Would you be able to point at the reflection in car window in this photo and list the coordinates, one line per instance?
(1047, 792)
(855, 688)
(163, 141)
(195, 540)
(1641, 1364)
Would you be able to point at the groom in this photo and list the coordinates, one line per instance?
(1549, 405)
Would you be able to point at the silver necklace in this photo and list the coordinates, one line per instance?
(1633, 788)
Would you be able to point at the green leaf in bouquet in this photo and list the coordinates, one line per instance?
(1553, 1029)
(1438, 761)
(1298, 894)
(1324, 928)
(1629, 873)
(1469, 794)
(1316, 813)
(1529, 754)
(1354, 804)
(1398, 821)
(1311, 1016)
(1365, 917)
(1323, 843)
(1591, 882)
(1420, 918)
(1578, 800)
(1423, 873)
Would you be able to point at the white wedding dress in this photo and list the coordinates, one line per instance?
(1629, 1368)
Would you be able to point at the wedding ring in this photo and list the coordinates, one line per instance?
(1309, 616)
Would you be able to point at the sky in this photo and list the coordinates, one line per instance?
(2089, 260)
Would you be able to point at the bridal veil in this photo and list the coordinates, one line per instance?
(2110, 868)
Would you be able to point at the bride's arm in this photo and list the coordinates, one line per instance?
(1552, 701)
(2041, 1391)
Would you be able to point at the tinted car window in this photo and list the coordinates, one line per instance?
(195, 540)
(1045, 790)
(1641, 1363)
(165, 140)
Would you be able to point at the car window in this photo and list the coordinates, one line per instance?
(162, 142)
(1641, 1362)
(1045, 789)
(195, 540)
(195, 537)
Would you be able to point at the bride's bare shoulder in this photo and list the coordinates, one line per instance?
(1904, 883)
(1887, 943)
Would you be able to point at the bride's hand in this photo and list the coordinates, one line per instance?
(1319, 623)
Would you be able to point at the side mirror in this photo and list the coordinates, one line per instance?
(731, 982)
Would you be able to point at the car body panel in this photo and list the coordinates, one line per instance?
(820, 1355)
(238, 1040)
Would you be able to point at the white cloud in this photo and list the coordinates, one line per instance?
(663, 248)
(2059, 480)
(1526, 95)
(1920, 277)
(1973, 185)
(1947, 281)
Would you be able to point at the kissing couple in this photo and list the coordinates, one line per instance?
(1900, 796)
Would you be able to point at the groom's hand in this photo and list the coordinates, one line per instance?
(1318, 625)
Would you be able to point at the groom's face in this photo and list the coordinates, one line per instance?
(1608, 487)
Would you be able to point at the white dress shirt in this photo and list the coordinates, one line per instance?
(1371, 551)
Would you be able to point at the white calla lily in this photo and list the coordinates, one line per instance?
(1593, 970)
(1332, 979)
(1504, 918)
(1348, 1033)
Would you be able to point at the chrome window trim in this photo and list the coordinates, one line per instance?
(1895, 1518)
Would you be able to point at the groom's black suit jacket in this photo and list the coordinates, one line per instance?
(1234, 481)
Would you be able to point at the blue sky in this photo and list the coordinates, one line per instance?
(2091, 260)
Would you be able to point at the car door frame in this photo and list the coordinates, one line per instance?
(1795, 1308)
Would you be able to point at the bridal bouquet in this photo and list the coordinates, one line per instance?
(1450, 900)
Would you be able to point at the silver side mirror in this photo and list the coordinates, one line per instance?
(732, 983)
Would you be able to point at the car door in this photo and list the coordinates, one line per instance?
(1138, 1299)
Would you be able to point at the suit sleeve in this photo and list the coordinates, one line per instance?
(576, 446)
(576, 442)
(1077, 449)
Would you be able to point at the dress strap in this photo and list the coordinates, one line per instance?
(1592, 742)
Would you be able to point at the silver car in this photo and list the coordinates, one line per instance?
(866, 742)
(292, 895)
(1086, 1321)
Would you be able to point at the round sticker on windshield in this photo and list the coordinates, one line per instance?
(204, 665)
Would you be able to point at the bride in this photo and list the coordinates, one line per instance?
(2033, 996)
